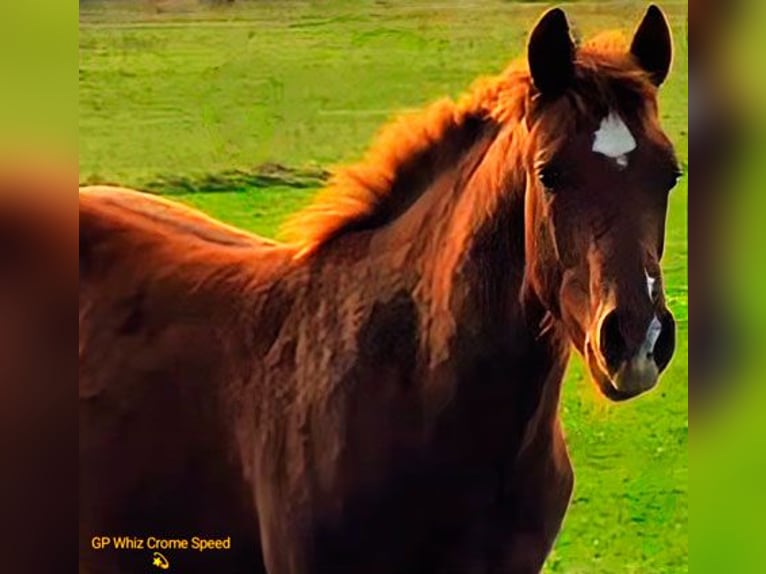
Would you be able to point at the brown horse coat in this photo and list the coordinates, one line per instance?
(378, 397)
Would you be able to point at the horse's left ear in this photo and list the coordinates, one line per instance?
(652, 45)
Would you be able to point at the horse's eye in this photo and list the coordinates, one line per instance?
(550, 177)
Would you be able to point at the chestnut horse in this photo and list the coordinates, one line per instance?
(380, 394)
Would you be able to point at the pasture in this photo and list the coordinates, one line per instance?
(241, 110)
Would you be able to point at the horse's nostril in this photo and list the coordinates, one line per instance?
(611, 341)
(666, 342)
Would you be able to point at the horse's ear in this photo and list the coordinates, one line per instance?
(550, 53)
(652, 45)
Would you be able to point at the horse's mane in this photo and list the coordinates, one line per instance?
(364, 194)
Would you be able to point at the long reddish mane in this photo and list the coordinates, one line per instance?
(414, 148)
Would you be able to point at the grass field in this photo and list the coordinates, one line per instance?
(238, 111)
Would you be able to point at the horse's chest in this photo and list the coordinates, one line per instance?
(434, 519)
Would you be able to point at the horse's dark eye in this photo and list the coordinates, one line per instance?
(550, 177)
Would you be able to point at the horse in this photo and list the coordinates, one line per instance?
(379, 392)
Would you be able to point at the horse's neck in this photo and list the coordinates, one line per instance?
(470, 241)
(480, 324)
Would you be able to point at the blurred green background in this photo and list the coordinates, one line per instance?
(239, 109)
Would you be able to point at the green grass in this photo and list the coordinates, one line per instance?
(195, 104)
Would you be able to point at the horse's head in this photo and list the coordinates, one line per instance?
(598, 172)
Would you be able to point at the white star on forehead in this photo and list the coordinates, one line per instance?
(613, 139)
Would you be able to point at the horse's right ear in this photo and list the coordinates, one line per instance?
(652, 45)
(550, 53)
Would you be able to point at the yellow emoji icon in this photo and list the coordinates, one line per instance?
(160, 561)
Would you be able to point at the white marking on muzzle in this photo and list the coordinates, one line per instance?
(650, 340)
(613, 139)
(650, 283)
(640, 373)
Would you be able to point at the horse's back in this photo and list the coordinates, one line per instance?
(158, 285)
(123, 205)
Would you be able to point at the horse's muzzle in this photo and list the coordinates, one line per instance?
(622, 369)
